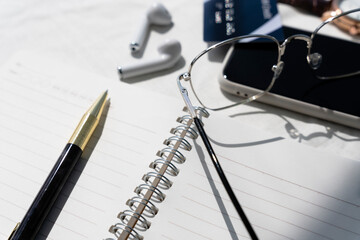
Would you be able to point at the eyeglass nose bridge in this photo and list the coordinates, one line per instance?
(277, 69)
(314, 59)
(301, 37)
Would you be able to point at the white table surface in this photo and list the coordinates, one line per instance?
(94, 35)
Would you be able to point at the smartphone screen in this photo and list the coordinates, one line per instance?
(297, 80)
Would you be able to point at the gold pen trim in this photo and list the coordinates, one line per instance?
(88, 123)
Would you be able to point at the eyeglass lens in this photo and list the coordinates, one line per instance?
(248, 67)
(253, 65)
(336, 60)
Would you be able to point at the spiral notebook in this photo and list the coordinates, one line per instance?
(287, 190)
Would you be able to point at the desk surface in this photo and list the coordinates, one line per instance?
(94, 35)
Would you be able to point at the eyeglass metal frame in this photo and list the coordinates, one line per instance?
(313, 60)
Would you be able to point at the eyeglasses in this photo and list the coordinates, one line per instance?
(327, 62)
(321, 61)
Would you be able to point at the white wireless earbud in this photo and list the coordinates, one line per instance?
(170, 53)
(157, 15)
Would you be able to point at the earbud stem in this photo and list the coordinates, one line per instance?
(146, 67)
(141, 35)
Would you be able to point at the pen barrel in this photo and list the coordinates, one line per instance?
(48, 193)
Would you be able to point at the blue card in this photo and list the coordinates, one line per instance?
(225, 19)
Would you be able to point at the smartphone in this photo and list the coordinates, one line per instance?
(297, 88)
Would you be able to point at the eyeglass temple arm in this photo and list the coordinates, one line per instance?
(215, 161)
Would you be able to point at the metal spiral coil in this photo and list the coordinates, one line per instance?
(118, 228)
(184, 144)
(190, 132)
(184, 119)
(127, 214)
(171, 169)
(200, 111)
(157, 195)
(150, 209)
(141, 206)
(177, 155)
(164, 183)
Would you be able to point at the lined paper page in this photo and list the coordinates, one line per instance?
(40, 108)
(288, 191)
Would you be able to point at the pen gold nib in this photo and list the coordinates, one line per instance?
(89, 122)
(98, 105)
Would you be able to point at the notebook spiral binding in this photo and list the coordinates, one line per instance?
(141, 206)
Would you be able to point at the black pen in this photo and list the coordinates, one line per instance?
(43, 202)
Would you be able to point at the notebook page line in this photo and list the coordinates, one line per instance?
(282, 179)
(278, 205)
